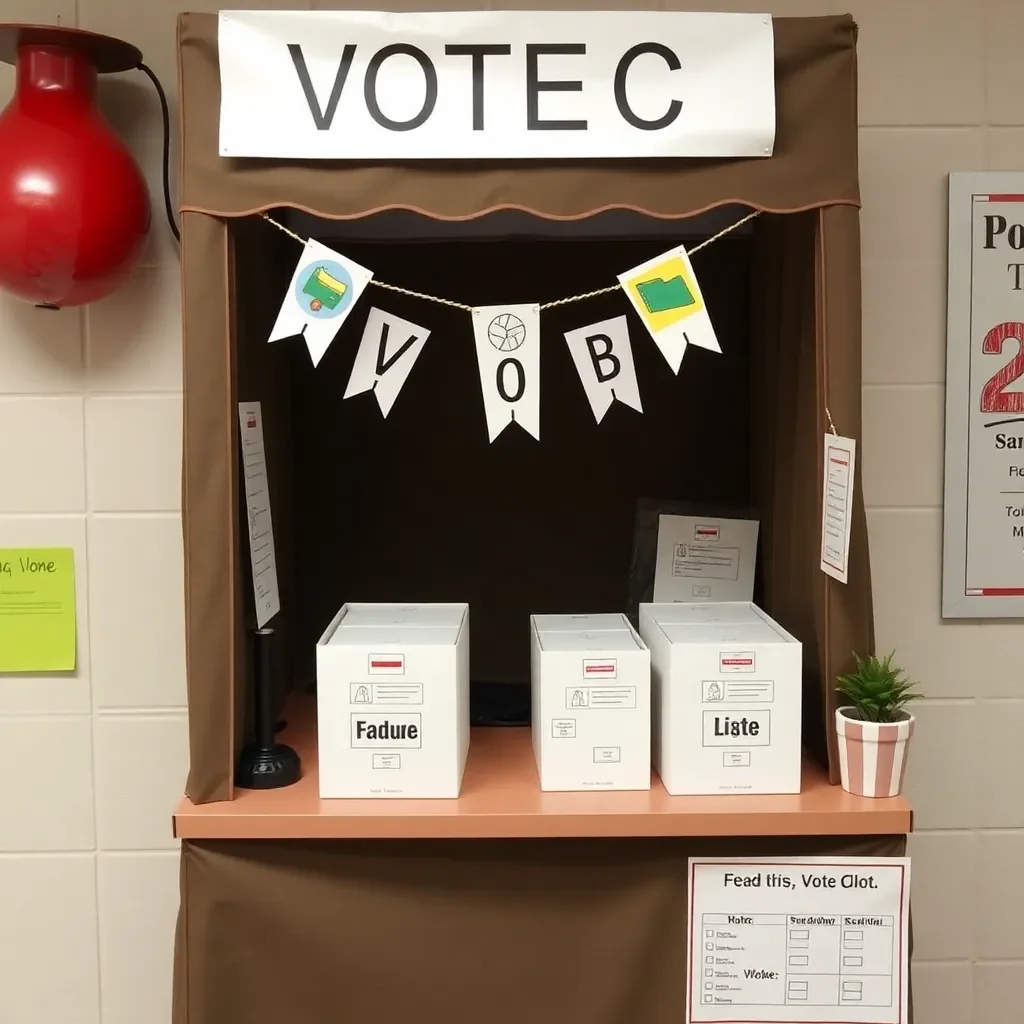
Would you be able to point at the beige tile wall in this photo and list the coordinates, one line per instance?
(89, 457)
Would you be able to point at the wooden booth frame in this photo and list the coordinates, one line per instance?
(560, 909)
(813, 171)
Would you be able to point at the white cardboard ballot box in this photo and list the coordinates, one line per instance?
(591, 693)
(393, 701)
(725, 699)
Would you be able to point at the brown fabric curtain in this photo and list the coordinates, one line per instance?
(805, 344)
(785, 444)
(848, 616)
(545, 931)
(814, 161)
(213, 630)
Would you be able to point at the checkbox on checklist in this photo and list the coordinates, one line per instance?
(709, 945)
(708, 973)
(709, 934)
(708, 984)
(709, 959)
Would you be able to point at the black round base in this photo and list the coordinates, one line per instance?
(263, 768)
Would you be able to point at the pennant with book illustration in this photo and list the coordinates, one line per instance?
(665, 294)
(604, 360)
(508, 357)
(322, 292)
(387, 353)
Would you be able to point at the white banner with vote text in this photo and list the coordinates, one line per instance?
(498, 85)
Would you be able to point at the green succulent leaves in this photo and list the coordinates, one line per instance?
(878, 690)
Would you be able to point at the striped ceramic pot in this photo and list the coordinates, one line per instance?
(873, 755)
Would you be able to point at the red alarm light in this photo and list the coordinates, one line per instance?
(74, 207)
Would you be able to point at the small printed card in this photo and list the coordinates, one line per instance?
(837, 505)
(705, 559)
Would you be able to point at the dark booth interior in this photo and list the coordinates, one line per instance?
(420, 507)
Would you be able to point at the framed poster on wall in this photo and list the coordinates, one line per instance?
(983, 532)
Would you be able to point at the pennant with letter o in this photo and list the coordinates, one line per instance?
(508, 357)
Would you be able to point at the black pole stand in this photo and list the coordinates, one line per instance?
(265, 764)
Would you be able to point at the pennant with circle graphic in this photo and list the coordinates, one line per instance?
(323, 290)
(665, 293)
(604, 360)
(387, 353)
(508, 356)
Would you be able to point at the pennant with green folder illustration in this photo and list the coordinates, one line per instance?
(665, 293)
(323, 290)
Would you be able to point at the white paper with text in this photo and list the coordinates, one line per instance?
(797, 940)
(837, 505)
(705, 558)
(257, 506)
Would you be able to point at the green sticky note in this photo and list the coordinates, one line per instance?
(37, 610)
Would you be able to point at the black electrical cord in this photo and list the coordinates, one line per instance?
(168, 205)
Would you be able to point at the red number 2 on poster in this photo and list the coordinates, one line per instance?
(994, 397)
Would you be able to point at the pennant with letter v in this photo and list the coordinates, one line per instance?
(604, 360)
(508, 356)
(322, 292)
(665, 293)
(387, 353)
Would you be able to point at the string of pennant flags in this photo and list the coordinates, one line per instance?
(664, 291)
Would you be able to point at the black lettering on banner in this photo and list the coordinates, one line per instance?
(370, 86)
(478, 51)
(621, 100)
(520, 379)
(322, 118)
(534, 86)
(383, 362)
(604, 356)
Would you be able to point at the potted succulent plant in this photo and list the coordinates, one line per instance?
(874, 727)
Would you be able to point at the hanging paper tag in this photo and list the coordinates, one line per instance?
(837, 505)
(665, 293)
(257, 505)
(508, 356)
(387, 353)
(323, 290)
(604, 360)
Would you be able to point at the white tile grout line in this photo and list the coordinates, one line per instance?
(92, 699)
(166, 851)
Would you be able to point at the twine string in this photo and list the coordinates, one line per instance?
(831, 425)
(580, 297)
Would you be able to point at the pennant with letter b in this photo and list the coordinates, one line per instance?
(387, 353)
(322, 292)
(665, 294)
(604, 360)
(508, 357)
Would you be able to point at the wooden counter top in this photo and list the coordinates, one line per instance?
(501, 798)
